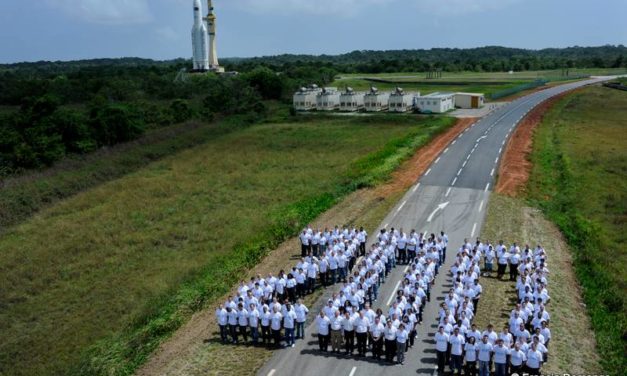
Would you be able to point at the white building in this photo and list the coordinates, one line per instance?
(305, 98)
(469, 100)
(376, 101)
(351, 100)
(401, 101)
(435, 103)
(328, 99)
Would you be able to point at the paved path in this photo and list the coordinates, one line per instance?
(462, 178)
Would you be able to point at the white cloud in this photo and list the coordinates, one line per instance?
(352, 7)
(106, 11)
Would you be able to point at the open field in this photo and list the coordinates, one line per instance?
(578, 179)
(124, 264)
(573, 345)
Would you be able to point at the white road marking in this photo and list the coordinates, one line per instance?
(453, 143)
(496, 160)
(428, 171)
(492, 172)
(474, 228)
(459, 172)
(400, 207)
(415, 187)
(500, 150)
(353, 371)
(481, 206)
(437, 160)
(393, 293)
(386, 225)
(468, 157)
(465, 162)
(481, 138)
(271, 372)
(503, 143)
(442, 206)
(454, 181)
(445, 150)
(487, 187)
(448, 192)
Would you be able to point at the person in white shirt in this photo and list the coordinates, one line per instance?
(470, 351)
(242, 321)
(534, 360)
(312, 274)
(265, 317)
(349, 333)
(253, 322)
(276, 321)
(301, 316)
(305, 239)
(289, 322)
(517, 359)
(441, 347)
(323, 324)
(223, 322)
(376, 337)
(389, 333)
(457, 342)
(336, 332)
(401, 343)
(361, 324)
(484, 353)
(500, 358)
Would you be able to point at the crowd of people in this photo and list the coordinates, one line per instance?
(522, 345)
(270, 311)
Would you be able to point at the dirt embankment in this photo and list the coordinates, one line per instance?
(188, 353)
(516, 165)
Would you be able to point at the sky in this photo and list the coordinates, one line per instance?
(160, 29)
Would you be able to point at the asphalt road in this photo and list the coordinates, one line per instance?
(451, 196)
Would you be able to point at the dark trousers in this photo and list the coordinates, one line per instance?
(533, 371)
(361, 343)
(513, 272)
(471, 368)
(233, 330)
(349, 341)
(311, 285)
(323, 278)
(224, 333)
(291, 294)
(304, 250)
(301, 288)
(276, 334)
(500, 272)
(456, 363)
(390, 350)
(265, 335)
(377, 347)
(475, 303)
(441, 360)
(402, 255)
(316, 249)
(516, 369)
(362, 249)
(323, 342)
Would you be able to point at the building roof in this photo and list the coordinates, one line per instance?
(471, 94)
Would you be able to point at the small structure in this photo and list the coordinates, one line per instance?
(469, 100)
(375, 101)
(351, 101)
(401, 101)
(437, 103)
(328, 99)
(305, 98)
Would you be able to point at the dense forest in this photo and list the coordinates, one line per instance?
(51, 109)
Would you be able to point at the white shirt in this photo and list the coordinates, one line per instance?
(301, 312)
(323, 324)
(288, 319)
(534, 358)
(500, 354)
(361, 325)
(471, 352)
(441, 341)
(222, 316)
(253, 318)
(457, 342)
(518, 357)
(390, 333)
(276, 320)
(336, 323)
(401, 336)
(485, 349)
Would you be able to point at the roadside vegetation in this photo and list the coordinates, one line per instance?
(578, 180)
(93, 284)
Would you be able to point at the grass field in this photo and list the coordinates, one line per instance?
(578, 180)
(118, 267)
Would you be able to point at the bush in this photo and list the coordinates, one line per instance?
(115, 123)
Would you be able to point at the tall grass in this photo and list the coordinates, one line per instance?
(118, 268)
(578, 180)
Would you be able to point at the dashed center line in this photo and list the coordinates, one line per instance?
(353, 371)
(428, 171)
(437, 160)
(496, 160)
(459, 172)
(448, 192)
(453, 143)
(492, 172)
(481, 206)
(454, 181)
(487, 187)
(474, 228)
(500, 150)
(415, 187)
(445, 150)
(400, 207)
(271, 372)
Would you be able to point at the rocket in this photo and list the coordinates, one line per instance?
(200, 43)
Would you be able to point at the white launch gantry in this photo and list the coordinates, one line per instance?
(204, 40)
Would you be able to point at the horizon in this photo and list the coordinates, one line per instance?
(70, 30)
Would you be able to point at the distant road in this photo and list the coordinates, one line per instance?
(462, 177)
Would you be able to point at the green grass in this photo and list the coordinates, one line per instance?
(117, 268)
(578, 180)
